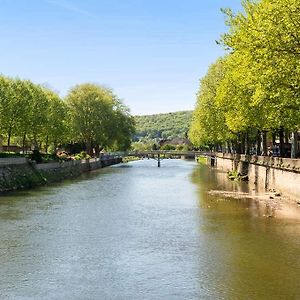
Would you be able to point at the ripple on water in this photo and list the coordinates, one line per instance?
(137, 231)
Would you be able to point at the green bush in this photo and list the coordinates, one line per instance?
(49, 157)
(182, 147)
(82, 155)
(168, 147)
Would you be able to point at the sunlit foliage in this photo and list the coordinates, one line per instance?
(34, 117)
(259, 89)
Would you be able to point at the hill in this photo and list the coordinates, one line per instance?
(162, 126)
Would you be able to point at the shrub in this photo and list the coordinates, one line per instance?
(168, 147)
(82, 155)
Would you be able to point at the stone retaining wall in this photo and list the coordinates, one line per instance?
(28, 174)
(265, 173)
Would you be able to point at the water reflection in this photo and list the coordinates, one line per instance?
(261, 254)
(137, 231)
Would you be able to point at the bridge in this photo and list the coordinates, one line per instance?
(159, 155)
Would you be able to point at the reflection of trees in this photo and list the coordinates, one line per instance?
(248, 257)
(214, 179)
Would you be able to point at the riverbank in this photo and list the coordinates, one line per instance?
(21, 173)
(274, 177)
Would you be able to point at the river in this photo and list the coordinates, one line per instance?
(135, 231)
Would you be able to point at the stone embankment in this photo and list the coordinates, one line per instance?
(20, 173)
(265, 172)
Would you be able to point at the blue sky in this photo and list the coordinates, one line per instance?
(151, 52)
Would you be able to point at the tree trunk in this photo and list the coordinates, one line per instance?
(8, 140)
(23, 142)
(89, 147)
(1, 146)
(258, 143)
(242, 141)
(35, 144)
(247, 145)
(281, 141)
(230, 147)
(264, 143)
(46, 145)
(226, 147)
(9, 136)
(273, 138)
(238, 144)
(294, 152)
(286, 137)
(97, 150)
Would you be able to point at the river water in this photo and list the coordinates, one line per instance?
(135, 231)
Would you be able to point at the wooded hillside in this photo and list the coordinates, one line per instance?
(163, 126)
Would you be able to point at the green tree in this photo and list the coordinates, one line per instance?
(56, 129)
(208, 127)
(37, 114)
(98, 118)
(124, 128)
(11, 106)
(267, 35)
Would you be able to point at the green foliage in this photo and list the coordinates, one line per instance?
(49, 157)
(28, 111)
(182, 147)
(168, 147)
(57, 123)
(256, 86)
(162, 126)
(82, 155)
(265, 43)
(208, 124)
(35, 117)
(89, 107)
(140, 146)
(98, 118)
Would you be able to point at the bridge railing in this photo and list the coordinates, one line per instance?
(170, 152)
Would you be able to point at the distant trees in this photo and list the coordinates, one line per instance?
(259, 90)
(158, 129)
(36, 117)
(163, 126)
